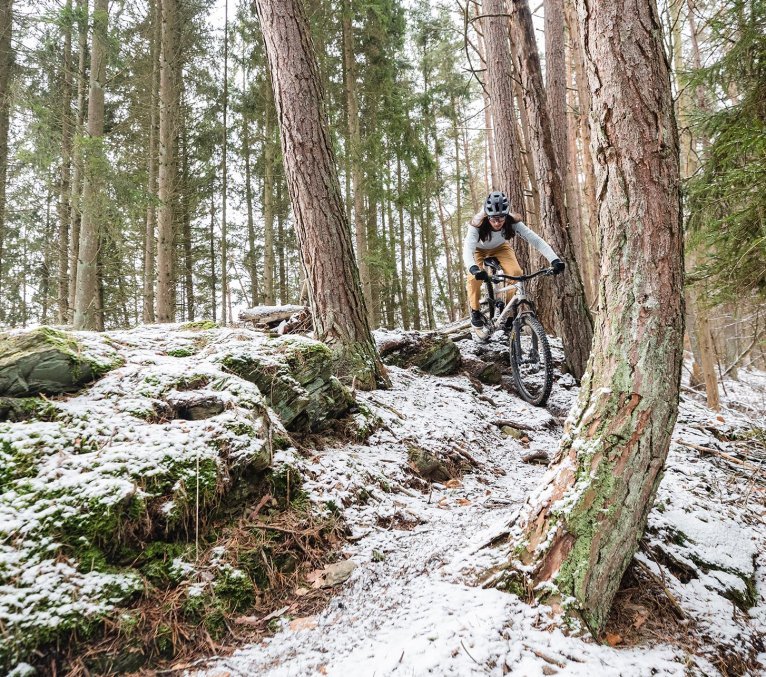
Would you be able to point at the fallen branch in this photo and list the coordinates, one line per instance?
(500, 422)
(721, 454)
(270, 314)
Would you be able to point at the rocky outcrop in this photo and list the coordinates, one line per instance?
(49, 361)
(430, 351)
(294, 374)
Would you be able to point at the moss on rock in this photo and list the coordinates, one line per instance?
(294, 374)
(48, 361)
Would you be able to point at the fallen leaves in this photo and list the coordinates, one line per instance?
(613, 639)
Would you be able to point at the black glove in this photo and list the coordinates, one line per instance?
(478, 273)
(558, 266)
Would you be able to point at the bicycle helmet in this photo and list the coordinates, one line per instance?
(496, 204)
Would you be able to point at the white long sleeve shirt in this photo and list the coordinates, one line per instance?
(471, 242)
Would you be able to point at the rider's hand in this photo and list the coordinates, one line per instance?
(558, 266)
(478, 273)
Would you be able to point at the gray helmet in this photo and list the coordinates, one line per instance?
(496, 204)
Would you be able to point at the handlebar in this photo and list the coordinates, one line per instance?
(521, 278)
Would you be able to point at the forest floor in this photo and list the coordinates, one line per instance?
(692, 602)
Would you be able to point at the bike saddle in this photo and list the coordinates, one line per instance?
(493, 263)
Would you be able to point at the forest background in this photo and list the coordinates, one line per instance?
(201, 203)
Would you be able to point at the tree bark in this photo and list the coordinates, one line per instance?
(324, 235)
(251, 262)
(500, 86)
(151, 168)
(402, 247)
(355, 148)
(169, 97)
(573, 319)
(67, 133)
(575, 537)
(6, 65)
(224, 172)
(77, 168)
(268, 207)
(88, 309)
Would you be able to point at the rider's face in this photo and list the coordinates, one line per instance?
(496, 222)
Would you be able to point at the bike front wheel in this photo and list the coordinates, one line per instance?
(531, 361)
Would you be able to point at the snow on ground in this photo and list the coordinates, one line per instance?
(412, 606)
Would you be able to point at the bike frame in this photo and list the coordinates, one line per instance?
(520, 299)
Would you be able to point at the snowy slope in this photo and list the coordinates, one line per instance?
(412, 606)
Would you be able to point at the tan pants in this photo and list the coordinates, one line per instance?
(505, 255)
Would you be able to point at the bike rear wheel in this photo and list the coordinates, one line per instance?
(531, 361)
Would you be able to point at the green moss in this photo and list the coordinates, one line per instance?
(199, 325)
(156, 562)
(234, 589)
(181, 352)
(286, 486)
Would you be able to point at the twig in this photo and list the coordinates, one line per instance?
(500, 422)
(469, 653)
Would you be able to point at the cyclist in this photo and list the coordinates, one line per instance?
(488, 235)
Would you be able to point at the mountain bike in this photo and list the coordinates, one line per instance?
(530, 353)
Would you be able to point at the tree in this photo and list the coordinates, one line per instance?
(6, 64)
(570, 309)
(88, 310)
(575, 537)
(169, 104)
(324, 235)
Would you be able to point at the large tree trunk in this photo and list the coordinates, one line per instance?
(250, 259)
(169, 97)
(570, 309)
(575, 537)
(500, 87)
(87, 306)
(151, 167)
(67, 132)
(324, 235)
(6, 64)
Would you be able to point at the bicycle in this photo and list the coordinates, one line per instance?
(530, 353)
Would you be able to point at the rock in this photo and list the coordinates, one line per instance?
(430, 351)
(270, 315)
(335, 574)
(195, 406)
(16, 409)
(512, 432)
(427, 465)
(486, 372)
(48, 361)
(294, 374)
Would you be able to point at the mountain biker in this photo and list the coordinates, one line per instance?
(489, 233)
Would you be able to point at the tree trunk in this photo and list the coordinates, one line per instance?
(151, 168)
(355, 148)
(584, 106)
(402, 247)
(251, 262)
(335, 295)
(6, 65)
(574, 539)
(169, 96)
(414, 270)
(500, 86)
(573, 320)
(224, 171)
(186, 219)
(87, 307)
(67, 132)
(76, 198)
(493, 180)
(211, 243)
(704, 355)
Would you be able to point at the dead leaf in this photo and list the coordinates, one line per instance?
(322, 670)
(463, 501)
(720, 418)
(314, 576)
(613, 639)
(305, 623)
(248, 620)
(301, 592)
(453, 484)
(640, 619)
(442, 503)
